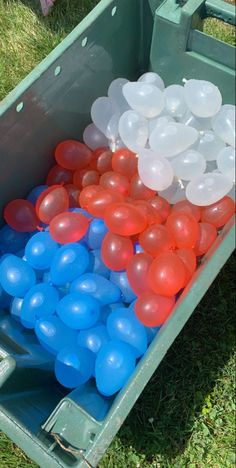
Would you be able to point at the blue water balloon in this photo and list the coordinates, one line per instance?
(54, 335)
(131, 306)
(96, 233)
(16, 276)
(123, 325)
(39, 302)
(98, 287)
(114, 365)
(138, 248)
(120, 279)
(16, 307)
(35, 192)
(78, 310)
(70, 261)
(151, 333)
(74, 366)
(107, 310)
(96, 264)
(62, 290)
(40, 251)
(21, 254)
(2, 257)
(81, 211)
(93, 338)
(12, 241)
(5, 299)
(47, 278)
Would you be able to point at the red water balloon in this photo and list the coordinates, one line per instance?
(59, 175)
(86, 177)
(68, 227)
(72, 154)
(125, 162)
(104, 162)
(138, 190)
(78, 176)
(208, 234)
(156, 239)
(161, 205)
(152, 309)
(167, 274)
(73, 194)
(153, 217)
(20, 215)
(125, 219)
(219, 213)
(137, 270)
(116, 182)
(95, 154)
(51, 202)
(90, 177)
(116, 251)
(87, 194)
(189, 260)
(101, 201)
(184, 228)
(187, 207)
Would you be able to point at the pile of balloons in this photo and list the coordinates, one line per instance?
(183, 135)
(94, 259)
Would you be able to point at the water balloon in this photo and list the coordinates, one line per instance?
(114, 365)
(98, 287)
(144, 98)
(202, 97)
(208, 188)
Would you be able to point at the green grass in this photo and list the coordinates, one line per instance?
(185, 416)
(222, 31)
(26, 37)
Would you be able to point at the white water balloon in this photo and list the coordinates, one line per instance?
(226, 162)
(224, 124)
(102, 111)
(133, 130)
(188, 164)
(112, 130)
(159, 122)
(175, 104)
(116, 94)
(154, 79)
(210, 145)
(176, 192)
(172, 139)
(144, 98)
(155, 172)
(203, 98)
(93, 137)
(208, 188)
(196, 122)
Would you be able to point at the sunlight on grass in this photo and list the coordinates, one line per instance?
(220, 30)
(26, 37)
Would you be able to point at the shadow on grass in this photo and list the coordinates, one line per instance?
(163, 418)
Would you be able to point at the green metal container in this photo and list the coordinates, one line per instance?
(118, 38)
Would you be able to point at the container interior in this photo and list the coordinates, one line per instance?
(56, 107)
(124, 40)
